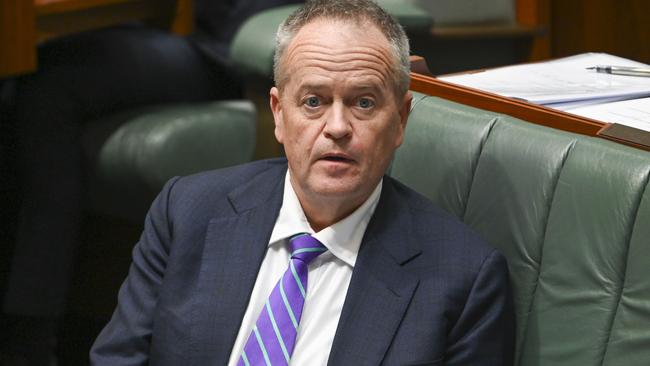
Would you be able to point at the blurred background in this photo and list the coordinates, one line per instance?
(102, 101)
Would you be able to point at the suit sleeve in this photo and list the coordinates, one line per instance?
(126, 338)
(484, 332)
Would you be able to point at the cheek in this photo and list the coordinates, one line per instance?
(395, 133)
(291, 126)
(386, 133)
(305, 131)
(382, 143)
(299, 139)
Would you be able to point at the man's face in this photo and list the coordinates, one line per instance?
(338, 115)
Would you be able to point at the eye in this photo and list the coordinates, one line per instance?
(312, 102)
(365, 103)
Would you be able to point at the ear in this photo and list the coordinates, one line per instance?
(276, 108)
(404, 110)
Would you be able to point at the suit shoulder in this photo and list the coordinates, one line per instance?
(233, 176)
(226, 179)
(207, 192)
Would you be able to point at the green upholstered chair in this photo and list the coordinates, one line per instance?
(254, 44)
(457, 12)
(471, 34)
(131, 155)
(571, 213)
(452, 35)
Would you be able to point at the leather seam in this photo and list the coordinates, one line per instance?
(620, 288)
(413, 105)
(493, 122)
(568, 152)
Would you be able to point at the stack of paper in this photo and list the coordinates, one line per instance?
(566, 84)
(633, 112)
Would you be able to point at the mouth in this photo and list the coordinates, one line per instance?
(337, 158)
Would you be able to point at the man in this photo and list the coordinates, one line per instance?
(399, 281)
(83, 77)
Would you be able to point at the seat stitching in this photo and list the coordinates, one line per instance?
(568, 152)
(417, 101)
(619, 294)
(493, 122)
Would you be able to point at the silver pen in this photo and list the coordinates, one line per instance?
(622, 70)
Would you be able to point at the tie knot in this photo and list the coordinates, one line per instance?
(305, 247)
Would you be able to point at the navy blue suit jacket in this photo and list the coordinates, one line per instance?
(425, 290)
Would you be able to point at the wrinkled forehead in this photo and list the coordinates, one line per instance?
(341, 45)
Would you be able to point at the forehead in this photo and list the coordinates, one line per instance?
(340, 48)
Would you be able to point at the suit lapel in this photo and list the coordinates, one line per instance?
(380, 289)
(233, 252)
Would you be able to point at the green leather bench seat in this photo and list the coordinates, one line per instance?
(571, 213)
(464, 12)
(131, 155)
(254, 44)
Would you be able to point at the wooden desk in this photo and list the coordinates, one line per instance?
(24, 23)
(427, 84)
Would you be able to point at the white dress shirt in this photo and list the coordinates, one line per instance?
(329, 277)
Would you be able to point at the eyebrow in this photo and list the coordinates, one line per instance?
(312, 86)
(368, 87)
(355, 87)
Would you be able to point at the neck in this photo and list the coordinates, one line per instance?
(326, 213)
(322, 211)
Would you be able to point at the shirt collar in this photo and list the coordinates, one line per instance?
(342, 239)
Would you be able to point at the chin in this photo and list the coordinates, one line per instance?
(336, 188)
(333, 191)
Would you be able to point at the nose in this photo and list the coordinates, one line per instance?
(337, 125)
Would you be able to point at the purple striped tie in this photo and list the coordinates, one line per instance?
(272, 340)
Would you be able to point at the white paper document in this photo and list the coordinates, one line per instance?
(559, 81)
(634, 112)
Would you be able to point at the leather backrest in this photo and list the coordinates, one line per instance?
(130, 155)
(254, 43)
(464, 12)
(571, 213)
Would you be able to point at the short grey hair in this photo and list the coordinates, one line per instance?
(348, 10)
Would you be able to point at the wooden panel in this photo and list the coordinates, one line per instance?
(488, 31)
(529, 112)
(17, 37)
(61, 17)
(626, 135)
(174, 14)
(184, 18)
(64, 6)
(492, 102)
(24, 23)
(536, 13)
(620, 27)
